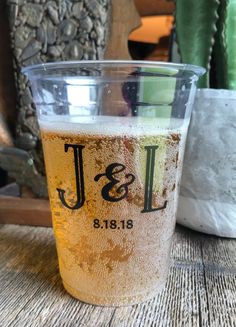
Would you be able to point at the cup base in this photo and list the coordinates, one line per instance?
(113, 301)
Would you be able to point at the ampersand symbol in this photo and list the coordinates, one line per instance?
(112, 170)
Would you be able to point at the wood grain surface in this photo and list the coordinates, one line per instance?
(24, 211)
(155, 7)
(124, 19)
(200, 291)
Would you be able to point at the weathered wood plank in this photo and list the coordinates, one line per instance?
(155, 7)
(22, 271)
(124, 19)
(200, 291)
(25, 211)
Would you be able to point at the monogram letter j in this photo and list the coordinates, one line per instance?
(79, 176)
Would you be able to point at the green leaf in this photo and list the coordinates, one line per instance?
(195, 29)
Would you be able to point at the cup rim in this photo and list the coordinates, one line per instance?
(37, 69)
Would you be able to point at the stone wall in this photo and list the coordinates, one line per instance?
(46, 31)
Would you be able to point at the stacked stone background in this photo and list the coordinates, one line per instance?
(46, 31)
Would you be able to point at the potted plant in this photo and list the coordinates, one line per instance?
(205, 34)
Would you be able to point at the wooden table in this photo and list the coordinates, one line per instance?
(201, 287)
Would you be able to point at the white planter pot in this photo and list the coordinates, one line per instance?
(207, 200)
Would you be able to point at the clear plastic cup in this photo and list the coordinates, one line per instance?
(113, 135)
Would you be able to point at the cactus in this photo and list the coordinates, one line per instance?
(219, 56)
(230, 41)
(206, 36)
(195, 28)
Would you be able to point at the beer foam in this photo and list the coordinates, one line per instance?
(113, 126)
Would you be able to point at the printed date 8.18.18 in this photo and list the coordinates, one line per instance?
(113, 224)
